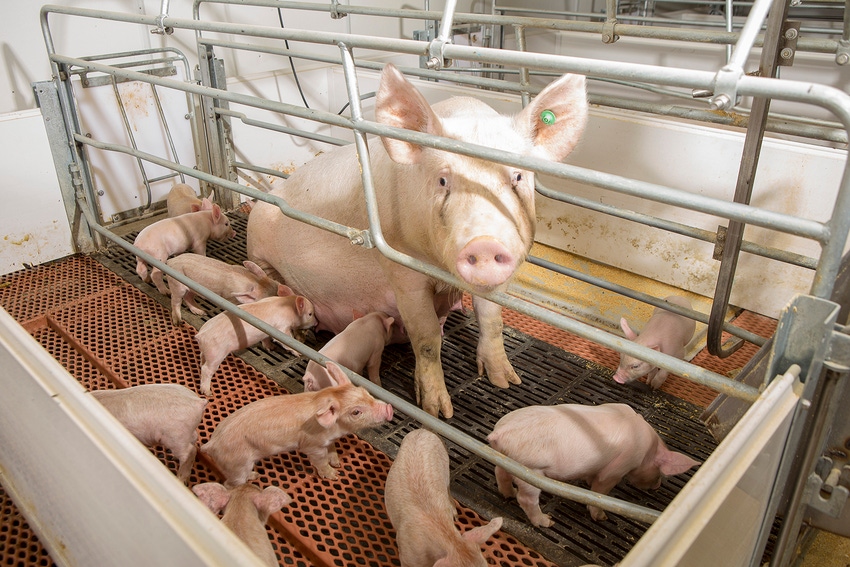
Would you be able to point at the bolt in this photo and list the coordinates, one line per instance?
(358, 240)
(720, 102)
(606, 38)
(842, 58)
(786, 53)
(433, 63)
(791, 33)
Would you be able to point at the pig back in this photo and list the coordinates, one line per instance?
(418, 480)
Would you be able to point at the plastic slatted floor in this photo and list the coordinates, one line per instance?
(106, 333)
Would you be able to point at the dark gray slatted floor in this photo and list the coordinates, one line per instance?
(550, 376)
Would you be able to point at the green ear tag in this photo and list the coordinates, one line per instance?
(547, 116)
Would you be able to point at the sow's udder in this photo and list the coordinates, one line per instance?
(485, 262)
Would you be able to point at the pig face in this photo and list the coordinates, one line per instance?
(481, 213)
(349, 408)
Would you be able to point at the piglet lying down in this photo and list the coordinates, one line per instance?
(598, 444)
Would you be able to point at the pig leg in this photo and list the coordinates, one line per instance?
(186, 457)
(602, 485)
(373, 369)
(528, 498)
(142, 270)
(208, 369)
(491, 346)
(333, 456)
(505, 481)
(657, 380)
(156, 277)
(177, 292)
(319, 457)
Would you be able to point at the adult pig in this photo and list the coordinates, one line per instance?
(182, 199)
(468, 216)
(171, 236)
(422, 511)
(159, 414)
(226, 333)
(240, 284)
(360, 344)
(598, 444)
(246, 510)
(309, 422)
(666, 332)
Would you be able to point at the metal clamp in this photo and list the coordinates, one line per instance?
(726, 87)
(608, 34)
(335, 13)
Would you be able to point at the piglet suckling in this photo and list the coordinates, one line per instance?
(666, 332)
(240, 284)
(598, 444)
(359, 345)
(246, 510)
(309, 422)
(176, 235)
(159, 414)
(422, 510)
(226, 333)
(182, 199)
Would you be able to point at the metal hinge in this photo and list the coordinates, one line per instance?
(828, 487)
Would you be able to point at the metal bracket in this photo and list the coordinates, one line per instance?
(788, 43)
(361, 238)
(161, 28)
(726, 87)
(435, 55)
(829, 487)
(88, 82)
(335, 13)
(719, 243)
(608, 34)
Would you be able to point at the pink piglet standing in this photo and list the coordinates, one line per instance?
(159, 414)
(359, 345)
(246, 511)
(226, 333)
(422, 511)
(309, 422)
(666, 332)
(240, 284)
(598, 444)
(176, 235)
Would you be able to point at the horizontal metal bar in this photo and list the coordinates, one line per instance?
(644, 297)
(623, 30)
(258, 169)
(282, 129)
(676, 228)
(734, 211)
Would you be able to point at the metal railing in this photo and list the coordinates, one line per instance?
(830, 235)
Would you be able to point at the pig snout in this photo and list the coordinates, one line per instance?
(386, 412)
(485, 262)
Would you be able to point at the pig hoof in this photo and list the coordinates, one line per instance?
(197, 311)
(544, 521)
(329, 474)
(598, 514)
(333, 460)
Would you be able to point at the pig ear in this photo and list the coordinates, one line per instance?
(196, 208)
(631, 335)
(328, 411)
(284, 290)
(206, 204)
(213, 494)
(300, 304)
(481, 534)
(338, 377)
(388, 323)
(270, 500)
(672, 463)
(400, 105)
(216, 212)
(254, 268)
(556, 118)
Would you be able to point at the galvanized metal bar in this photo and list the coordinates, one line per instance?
(282, 129)
(166, 128)
(676, 227)
(623, 30)
(643, 297)
(746, 176)
(759, 217)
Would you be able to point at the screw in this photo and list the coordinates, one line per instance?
(791, 33)
(842, 58)
(786, 53)
(358, 240)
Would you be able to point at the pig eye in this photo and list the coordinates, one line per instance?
(356, 412)
(516, 178)
(443, 182)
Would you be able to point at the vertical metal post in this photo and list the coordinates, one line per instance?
(743, 190)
